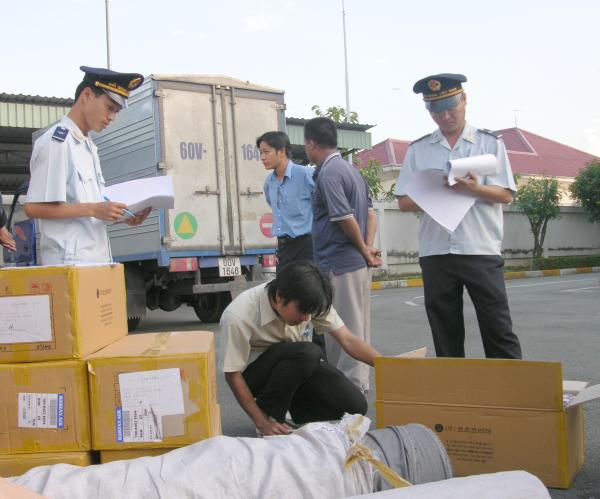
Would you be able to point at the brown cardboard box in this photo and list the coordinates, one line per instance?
(154, 390)
(61, 312)
(17, 464)
(45, 407)
(492, 415)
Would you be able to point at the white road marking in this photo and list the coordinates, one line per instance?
(548, 283)
(578, 289)
(412, 303)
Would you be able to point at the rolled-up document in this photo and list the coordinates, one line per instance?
(485, 164)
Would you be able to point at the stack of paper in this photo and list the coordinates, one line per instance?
(142, 193)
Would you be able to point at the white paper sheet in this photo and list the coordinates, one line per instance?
(484, 164)
(418, 353)
(139, 194)
(447, 207)
(160, 388)
(25, 319)
(591, 393)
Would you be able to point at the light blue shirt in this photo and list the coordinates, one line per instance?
(290, 200)
(481, 231)
(68, 171)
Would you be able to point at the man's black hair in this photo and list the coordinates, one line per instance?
(321, 131)
(276, 140)
(303, 282)
(97, 91)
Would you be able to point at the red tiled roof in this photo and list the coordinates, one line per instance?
(529, 154)
(388, 152)
(532, 154)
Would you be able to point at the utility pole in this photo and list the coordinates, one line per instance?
(515, 111)
(346, 71)
(107, 36)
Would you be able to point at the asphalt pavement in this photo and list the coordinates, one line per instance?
(556, 319)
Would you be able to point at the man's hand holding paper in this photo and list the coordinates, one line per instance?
(472, 166)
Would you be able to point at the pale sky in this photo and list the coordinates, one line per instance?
(537, 56)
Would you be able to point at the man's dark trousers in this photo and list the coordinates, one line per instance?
(443, 278)
(291, 376)
(292, 249)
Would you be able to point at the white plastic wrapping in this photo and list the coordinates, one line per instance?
(307, 464)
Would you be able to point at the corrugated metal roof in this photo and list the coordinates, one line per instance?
(31, 111)
(340, 126)
(36, 99)
(352, 139)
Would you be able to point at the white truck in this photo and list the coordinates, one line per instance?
(201, 131)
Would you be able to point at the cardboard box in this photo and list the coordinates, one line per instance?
(17, 464)
(491, 414)
(154, 390)
(60, 312)
(45, 407)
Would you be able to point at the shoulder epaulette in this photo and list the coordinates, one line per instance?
(420, 138)
(489, 132)
(60, 133)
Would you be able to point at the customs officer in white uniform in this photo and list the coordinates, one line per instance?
(66, 189)
(469, 257)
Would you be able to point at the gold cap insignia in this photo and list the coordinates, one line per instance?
(434, 85)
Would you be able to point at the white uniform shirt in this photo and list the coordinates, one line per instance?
(249, 326)
(68, 171)
(481, 231)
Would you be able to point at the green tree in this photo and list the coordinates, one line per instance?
(335, 113)
(539, 199)
(586, 190)
(373, 171)
(372, 175)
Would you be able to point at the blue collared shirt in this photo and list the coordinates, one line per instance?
(481, 231)
(290, 200)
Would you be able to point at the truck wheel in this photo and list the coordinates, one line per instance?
(132, 323)
(210, 306)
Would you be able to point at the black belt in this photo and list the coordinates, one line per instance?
(287, 239)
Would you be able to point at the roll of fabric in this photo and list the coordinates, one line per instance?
(413, 451)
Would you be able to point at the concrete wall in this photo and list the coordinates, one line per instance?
(571, 234)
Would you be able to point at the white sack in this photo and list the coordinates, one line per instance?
(307, 464)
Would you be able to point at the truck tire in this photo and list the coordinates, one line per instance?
(133, 323)
(210, 306)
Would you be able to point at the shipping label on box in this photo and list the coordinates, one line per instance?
(60, 312)
(144, 398)
(41, 410)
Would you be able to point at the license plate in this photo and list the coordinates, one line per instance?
(229, 266)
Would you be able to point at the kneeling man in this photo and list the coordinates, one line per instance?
(270, 362)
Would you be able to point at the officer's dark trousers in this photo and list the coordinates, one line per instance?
(292, 376)
(444, 277)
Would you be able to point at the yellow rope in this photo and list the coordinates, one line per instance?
(360, 452)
